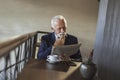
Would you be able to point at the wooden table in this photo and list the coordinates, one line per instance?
(42, 70)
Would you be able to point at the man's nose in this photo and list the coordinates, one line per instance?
(62, 30)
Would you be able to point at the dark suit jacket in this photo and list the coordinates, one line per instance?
(47, 42)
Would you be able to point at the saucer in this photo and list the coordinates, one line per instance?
(53, 61)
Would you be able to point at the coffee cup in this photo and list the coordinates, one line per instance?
(53, 58)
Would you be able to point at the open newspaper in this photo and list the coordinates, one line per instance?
(66, 49)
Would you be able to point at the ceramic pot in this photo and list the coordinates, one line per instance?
(88, 71)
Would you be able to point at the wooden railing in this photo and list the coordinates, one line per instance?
(15, 52)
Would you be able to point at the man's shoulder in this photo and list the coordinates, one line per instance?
(71, 36)
(47, 36)
(71, 39)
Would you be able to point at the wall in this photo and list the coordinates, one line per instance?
(107, 44)
(22, 16)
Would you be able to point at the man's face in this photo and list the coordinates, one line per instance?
(59, 27)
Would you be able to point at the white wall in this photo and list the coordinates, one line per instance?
(22, 16)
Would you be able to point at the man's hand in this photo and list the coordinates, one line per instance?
(64, 57)
(59, 42)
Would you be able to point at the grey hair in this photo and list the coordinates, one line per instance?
(55, 18)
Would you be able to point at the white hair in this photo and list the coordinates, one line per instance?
(55, 18)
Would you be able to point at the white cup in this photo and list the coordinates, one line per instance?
(53, 58)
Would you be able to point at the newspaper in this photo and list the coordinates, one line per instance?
(66, 49)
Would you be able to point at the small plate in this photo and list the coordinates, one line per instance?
(52, 61)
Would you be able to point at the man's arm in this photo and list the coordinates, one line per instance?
(44, 50)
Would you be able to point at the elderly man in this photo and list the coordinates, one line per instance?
(48, 42)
